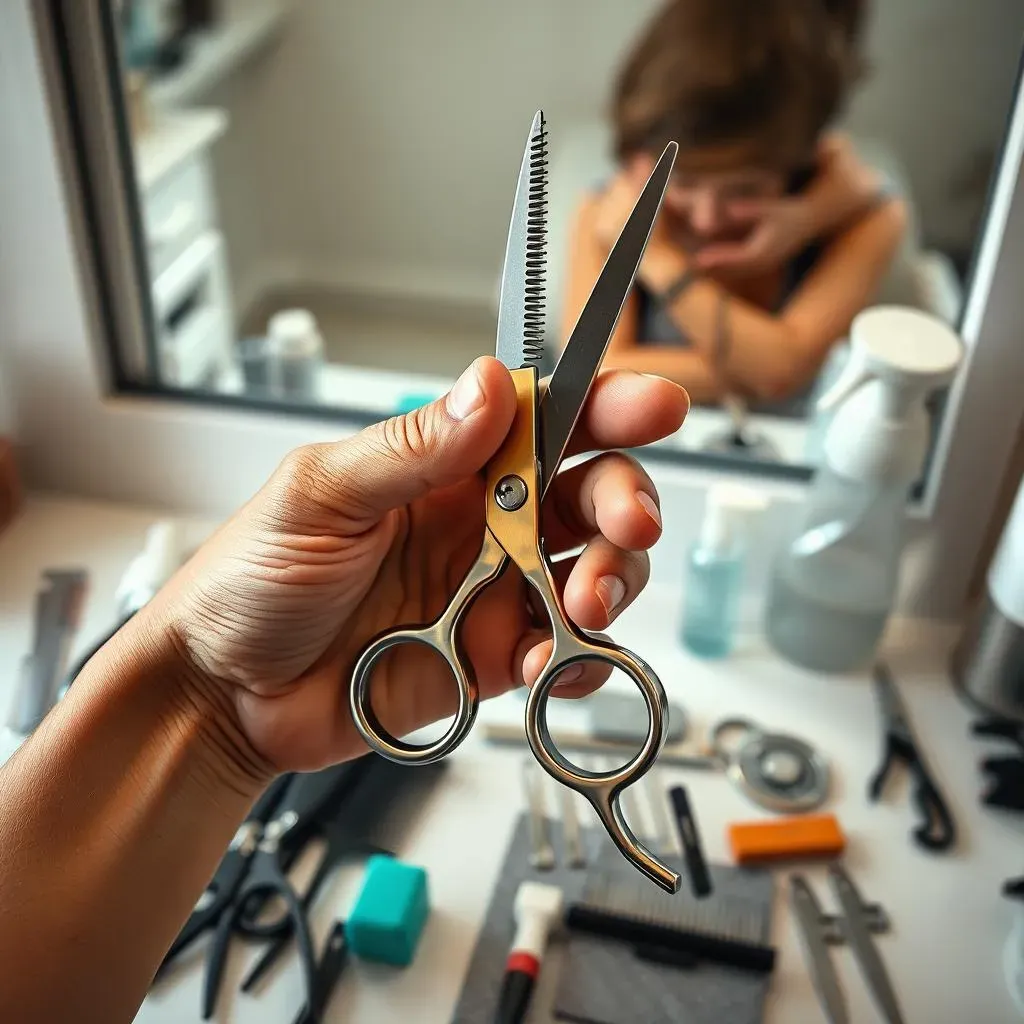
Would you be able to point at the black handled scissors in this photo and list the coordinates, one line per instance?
(305, 798)
(517, 478)
(937, 831)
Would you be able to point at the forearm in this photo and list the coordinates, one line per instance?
(113, 817)
(743, 345)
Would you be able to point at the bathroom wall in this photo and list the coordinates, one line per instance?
(375, 147)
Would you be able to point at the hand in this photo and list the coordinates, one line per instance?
(843, 188)
(779, 228)
(352, 538)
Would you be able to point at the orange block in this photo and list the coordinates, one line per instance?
(806, 836)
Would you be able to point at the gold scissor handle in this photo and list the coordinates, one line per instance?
(442, 637)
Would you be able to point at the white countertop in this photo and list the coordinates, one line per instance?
(949, 920)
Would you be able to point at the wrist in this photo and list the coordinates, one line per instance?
(146, 662)
(663, 266)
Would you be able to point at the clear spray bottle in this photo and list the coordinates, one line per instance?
(833, 585)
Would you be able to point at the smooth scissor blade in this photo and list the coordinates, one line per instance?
(809, 918)
(858, 935)
(521, 307)
(570, 384)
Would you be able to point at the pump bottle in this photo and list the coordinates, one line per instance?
(714, 579)
(833, 585)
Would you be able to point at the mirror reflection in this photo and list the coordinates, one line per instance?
(324, 189)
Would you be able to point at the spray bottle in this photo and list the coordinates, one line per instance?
(833, 586)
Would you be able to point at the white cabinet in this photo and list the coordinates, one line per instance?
(184, 247)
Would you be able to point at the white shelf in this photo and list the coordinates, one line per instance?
(214, 55)
(174, 137)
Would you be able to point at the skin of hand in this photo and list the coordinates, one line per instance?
(352, 538)
(780, 226)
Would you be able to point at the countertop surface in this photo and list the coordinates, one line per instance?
(950, 922)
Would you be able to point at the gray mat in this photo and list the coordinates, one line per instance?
(601, 981)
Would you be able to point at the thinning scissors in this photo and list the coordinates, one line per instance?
(518, 477)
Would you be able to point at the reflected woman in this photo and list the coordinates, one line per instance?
(773, 234)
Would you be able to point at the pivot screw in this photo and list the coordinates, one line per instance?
(510, 493)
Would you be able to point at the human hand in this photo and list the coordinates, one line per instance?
(843, 188)
(351, 538)
(779, 228)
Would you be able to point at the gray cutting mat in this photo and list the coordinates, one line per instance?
(602, 982)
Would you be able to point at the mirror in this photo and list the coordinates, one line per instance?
(323, 189)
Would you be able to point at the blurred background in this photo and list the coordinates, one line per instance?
(339, 176)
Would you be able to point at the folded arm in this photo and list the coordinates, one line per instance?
(736, 346)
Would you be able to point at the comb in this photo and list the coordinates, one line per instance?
(720, 929)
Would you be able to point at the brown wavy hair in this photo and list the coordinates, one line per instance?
(761, 78)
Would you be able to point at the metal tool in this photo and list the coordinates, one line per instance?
(811, 924)
(542, 853)
(937, 832)
(517, 478)
(572, 837)
(57, 614)
(775, 770)
(302, 801)
(857, 924)
(664, 839)
(584, 743)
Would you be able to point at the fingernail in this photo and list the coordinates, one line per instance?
(571, 674)
(611, 590)
(649, 506)
(467, 396)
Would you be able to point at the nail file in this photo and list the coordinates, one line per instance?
(542, 853)
(656, 794)
(572, 838)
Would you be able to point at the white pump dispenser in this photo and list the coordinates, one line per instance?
(833, 586)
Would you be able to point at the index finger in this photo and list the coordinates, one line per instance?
(626, 409)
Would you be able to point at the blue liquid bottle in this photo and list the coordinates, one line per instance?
(714, 576)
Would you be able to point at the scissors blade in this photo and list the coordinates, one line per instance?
(809, 915)
(858, 935)
(521, 308)
(570, 384)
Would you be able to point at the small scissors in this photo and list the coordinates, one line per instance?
(937, 831)
(517, 478)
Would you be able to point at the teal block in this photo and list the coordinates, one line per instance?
(406, 403)
(386, 922)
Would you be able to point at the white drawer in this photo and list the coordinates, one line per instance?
(175, 213)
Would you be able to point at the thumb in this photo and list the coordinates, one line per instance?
(397, 460)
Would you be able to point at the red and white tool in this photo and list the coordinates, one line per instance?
(538, 908)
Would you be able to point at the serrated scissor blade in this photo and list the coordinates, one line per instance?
(521, 308)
